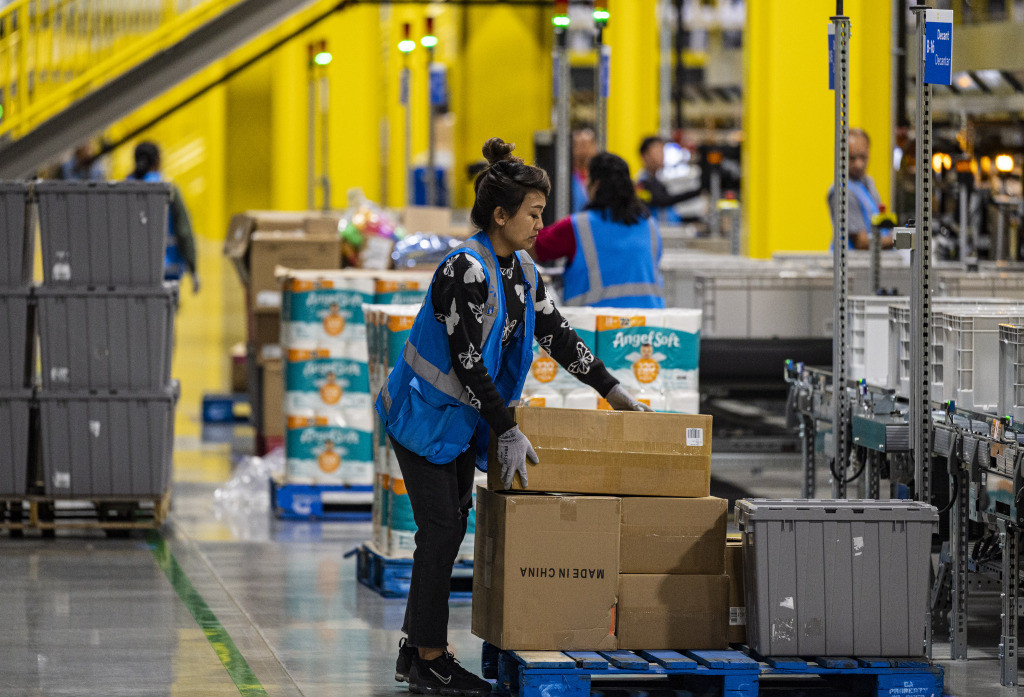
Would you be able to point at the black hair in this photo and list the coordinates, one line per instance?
(147, 158)
(505, 183)
(614, 195)
(647, 142)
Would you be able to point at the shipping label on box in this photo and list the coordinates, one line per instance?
(672, 611)
(545, 571)
(673, 535)
(622, 453)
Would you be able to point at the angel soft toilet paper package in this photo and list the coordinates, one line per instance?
(326, 308)
(321, 451)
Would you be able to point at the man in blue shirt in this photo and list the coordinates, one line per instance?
(864, 199)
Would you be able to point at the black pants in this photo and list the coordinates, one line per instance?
(441, 498)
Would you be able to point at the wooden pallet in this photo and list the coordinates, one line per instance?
(734, 673)
(109, 513)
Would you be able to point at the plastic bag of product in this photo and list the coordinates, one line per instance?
(423, 250)
(249, 486)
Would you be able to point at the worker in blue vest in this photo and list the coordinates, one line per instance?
(465, 362)
(613, 248)
(180, 255)
(865, 203)
(584, 147)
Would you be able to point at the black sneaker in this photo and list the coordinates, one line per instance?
(444, 676)
(405, 654)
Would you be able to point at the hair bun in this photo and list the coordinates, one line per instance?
(497, 150)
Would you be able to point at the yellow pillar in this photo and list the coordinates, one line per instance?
(632, 35)
(789, 118)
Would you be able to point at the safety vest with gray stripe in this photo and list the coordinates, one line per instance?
(424, 406)
(615, 265)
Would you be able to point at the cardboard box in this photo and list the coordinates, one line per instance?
(737, 632)
(258, 241)
(545, 573)
(671, 611)
(672, 535)
(272, 397)
(427, 219)
(628, 453)
(265, 327)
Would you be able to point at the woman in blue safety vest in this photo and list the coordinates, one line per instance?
(180, 255)
(613, 247)
(465, 362)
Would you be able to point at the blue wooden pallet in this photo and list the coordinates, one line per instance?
(321, 501)
(731, 673)
(575, 673)
(390, 577)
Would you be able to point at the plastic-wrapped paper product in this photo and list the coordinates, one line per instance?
(423, 251)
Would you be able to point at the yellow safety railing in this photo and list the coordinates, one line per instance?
(54, 52)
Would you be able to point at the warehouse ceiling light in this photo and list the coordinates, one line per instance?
(986, 164)
(941, 161)
(1004, 163)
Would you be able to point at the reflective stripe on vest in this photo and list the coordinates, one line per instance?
(449, 383)
(597, 291)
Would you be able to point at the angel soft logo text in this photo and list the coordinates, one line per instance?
(655, 338)
(319, 436)
(341, 369)
(350, 298)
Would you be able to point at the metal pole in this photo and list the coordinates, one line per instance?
(1011, 589)
(840, 397)
(920, 301)
(1000, 232)
(807, 438)
(311, 139)
(680, 70)
(965, 199)
(410, 182)
(431, 144)
(875, 269)
(563, 171)
(601, 92)
(664, 67)
(958, 552)
(325, 110)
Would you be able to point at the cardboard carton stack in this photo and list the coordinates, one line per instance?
(624, 549)
(394, 530)
(327, 397)
(653, 353)
(257, 243)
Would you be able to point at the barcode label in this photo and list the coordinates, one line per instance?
(737, 615)
(695, 436)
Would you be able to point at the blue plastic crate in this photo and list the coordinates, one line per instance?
(321, 501)
(225, 409)
(390, 577)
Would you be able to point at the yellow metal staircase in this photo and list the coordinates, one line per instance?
(69, 68)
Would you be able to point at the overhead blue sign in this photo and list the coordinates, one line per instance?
(831, 56)
(438, 85)
(938, 47)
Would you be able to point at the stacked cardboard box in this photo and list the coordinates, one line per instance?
(653, 353)
(394, 530)
(327, 387)
(638, 562)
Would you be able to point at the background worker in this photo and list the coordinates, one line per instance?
(612, 249)
(180, 255)
(584, 147)
(864, 199)
(651, 189)
(465, 362)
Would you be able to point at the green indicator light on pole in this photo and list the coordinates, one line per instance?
(560, 20)
(323, 58)
(406, 46)
(428, 41)
(601, 15)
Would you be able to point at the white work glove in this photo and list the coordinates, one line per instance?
(624, 401)
(513, 450)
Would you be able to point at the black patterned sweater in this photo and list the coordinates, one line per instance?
(459, 296)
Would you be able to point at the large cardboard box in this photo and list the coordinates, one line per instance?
(629, 453)
(545, 573)
(259, 241)
(672, 535)
(737, 633)
(671, 611)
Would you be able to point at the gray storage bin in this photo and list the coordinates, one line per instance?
(15, 407)
(16, 339)
(111, 233)
(107, 444)
(836, 577)
(16, 243)
(106, 339)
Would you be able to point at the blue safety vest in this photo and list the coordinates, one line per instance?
(615, 265)
(174, 264)
(579, 194)
(424, 406)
